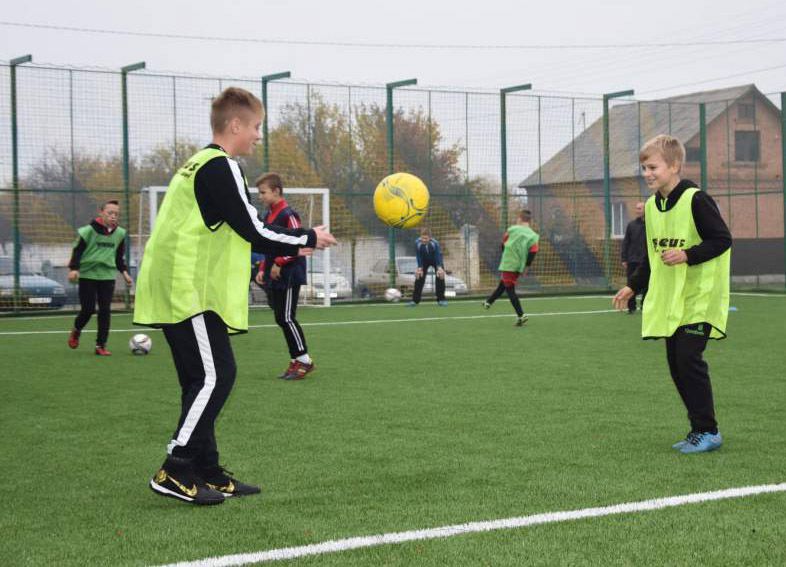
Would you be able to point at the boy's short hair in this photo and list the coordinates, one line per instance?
(425, 231)
(670, 149)
(272, 180)
(231, 103)
(109, 202)
(525, 215)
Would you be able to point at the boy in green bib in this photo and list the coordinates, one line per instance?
(98, 253)
(519, 246)
(687, 267)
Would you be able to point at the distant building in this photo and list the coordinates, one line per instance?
(744, 167)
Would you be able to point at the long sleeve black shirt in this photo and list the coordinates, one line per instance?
(634, 245)
(715, 235)
(222, 195)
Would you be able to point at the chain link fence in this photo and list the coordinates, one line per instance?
(63, 152)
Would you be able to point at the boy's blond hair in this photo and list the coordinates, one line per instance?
(231, 103)
(670, 149)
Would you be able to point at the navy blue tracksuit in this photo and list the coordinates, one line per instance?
(429, 255)
(282, 294)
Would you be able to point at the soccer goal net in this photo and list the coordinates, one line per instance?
(324, 280)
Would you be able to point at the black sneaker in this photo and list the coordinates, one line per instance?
(179, 481)
(219, 479)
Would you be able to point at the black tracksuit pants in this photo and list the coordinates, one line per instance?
(439, 285)
(206, 371)
(691, 375)
(511, 291)
(632, 301)
(89, 291)
(283, 302)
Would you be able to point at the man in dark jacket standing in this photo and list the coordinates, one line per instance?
(634, 249)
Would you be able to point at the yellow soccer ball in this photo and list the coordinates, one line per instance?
(401, 200)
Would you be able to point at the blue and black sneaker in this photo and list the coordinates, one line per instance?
(682, 442)
(702, 443)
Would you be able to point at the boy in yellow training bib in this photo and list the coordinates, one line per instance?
(687, 268)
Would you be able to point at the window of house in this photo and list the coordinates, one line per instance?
(745, 111)
(619, 219)
(692, 154)
(746, 145)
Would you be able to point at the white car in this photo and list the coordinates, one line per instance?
(315, 281)
(377, 280)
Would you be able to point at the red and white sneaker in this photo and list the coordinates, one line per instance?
(101, 351)
(299, 370)
(73, 338)
(287, 371)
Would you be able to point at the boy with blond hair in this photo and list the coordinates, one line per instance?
(687, 267)
(193, 284)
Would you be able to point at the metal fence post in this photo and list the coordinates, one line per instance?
(15, 177)
(607, 182)
(503, 150)
(126, 167)
(265, 138)
(389, 123)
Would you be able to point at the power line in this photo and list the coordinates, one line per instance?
(752, 71)
(377, 45)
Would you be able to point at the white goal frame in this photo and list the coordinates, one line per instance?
(155, 193)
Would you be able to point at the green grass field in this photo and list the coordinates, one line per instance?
(415, 418)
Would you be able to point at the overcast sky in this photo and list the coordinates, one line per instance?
(652, 71)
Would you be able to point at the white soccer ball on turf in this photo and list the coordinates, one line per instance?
(140, 344)
(392, 294)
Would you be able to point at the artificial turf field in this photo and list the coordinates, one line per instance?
(414, 419)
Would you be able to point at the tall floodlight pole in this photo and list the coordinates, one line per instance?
(389, 123)
(503, 149)
(607, 182)
(15, 176)
(266, 141)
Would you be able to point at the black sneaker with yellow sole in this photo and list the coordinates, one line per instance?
(178, 481)
(220, 479)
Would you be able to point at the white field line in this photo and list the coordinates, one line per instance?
(337, 545)
(339, 305)
(330, 323)
(374, 305)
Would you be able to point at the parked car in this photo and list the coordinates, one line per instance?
(314, 288)
(315, 281)
(36, 291)
(377, 280)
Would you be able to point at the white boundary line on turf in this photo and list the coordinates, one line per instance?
(332, 323)
(371, 305)
(337, 545)
(342, 305)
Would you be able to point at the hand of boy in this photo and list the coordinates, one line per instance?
(620, 301)
(324, 238)
(673, 257)
(73, 276)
